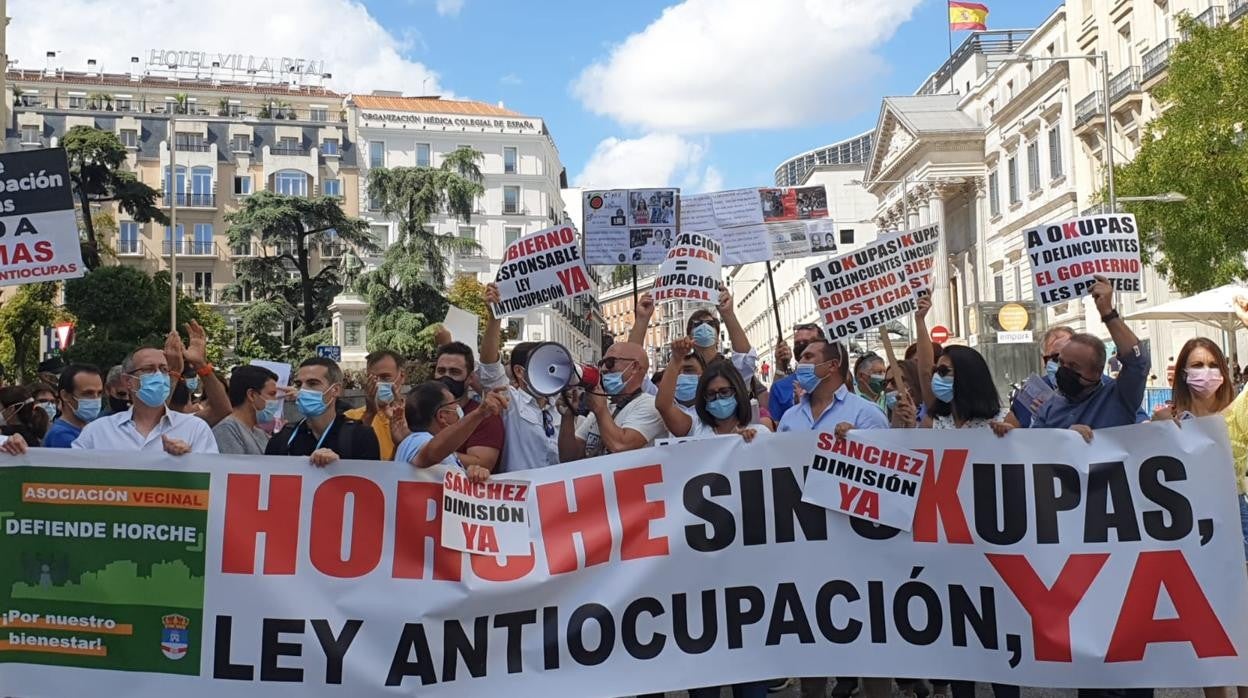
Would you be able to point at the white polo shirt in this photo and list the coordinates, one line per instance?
(117, 432)
(525, 423)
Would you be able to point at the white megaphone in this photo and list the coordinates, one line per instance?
(552, 370)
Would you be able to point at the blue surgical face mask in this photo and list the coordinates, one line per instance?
(1050, 369)
(942, 388)
(49, 408)
(613, 383)
(311, 403)
(88, 408)
(890, 399)
(806, 378)
(385, 392)
(153, 389)
(192, 384)
(269, 412)
(686, 387)
(704, 335)
(722, 407)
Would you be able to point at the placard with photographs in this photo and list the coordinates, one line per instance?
(761, 224)
(629, 226)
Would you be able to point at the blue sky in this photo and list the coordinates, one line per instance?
(530, 54)
(701, 94)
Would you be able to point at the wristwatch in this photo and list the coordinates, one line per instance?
(1110, 316)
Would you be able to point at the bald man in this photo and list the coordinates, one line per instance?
(622, 416)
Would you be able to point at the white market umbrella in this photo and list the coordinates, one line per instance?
(1215, 307)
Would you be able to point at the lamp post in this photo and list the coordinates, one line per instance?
(173, 221)
(1103, 59)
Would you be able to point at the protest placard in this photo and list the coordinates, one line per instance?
(38, 230)
(863, 289)
(623, 226)
(877, 484)
(539, 269)
(691, 271)
(485, 518)
(1065, 256)
(762, 224)
(919, 247)
(1037, 560)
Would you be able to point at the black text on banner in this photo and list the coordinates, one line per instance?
(1066, 255)
(540, 269)
(38, 229)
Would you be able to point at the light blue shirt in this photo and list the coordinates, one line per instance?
(845, 407)
(411, 446)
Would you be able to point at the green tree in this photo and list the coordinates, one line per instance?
(23, 318)
(97, 171)
(415, 267)
(1197, 147)
(296, 227)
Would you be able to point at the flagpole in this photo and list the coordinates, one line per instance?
(948, 27)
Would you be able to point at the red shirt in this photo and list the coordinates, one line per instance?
(488, 433)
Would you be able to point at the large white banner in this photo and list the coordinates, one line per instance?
(1034, 559)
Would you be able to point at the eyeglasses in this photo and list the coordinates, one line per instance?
(1051, 357)
(721, 393)
(608, 363)
(942, 371)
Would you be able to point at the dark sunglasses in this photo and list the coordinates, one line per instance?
(608, 364)
(721, 393)
(942, 371)
(1050, 357)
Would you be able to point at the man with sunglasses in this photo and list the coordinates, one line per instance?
(782, 389)
(704, 328)
(622, 417)
(1086, 398)
(149, 425)
(530, 422)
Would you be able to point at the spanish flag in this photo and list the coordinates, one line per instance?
(967, 16)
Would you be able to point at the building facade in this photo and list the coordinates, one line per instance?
(522, 177)
(205, 144)
(839, 167)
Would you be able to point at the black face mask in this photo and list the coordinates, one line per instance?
(1071, 384)
(116, 404)
(457, 387)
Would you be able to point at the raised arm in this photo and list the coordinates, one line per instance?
(727, 312)
(1133, 378)
(451, 438)
(571, 446)
(676, 419)
(493, 327)
(926, 355)
(216, 399)
(641, 320)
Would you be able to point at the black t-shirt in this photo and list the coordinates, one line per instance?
(348, 438)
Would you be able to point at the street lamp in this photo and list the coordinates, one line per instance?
(1103, 59)
(1170, 197)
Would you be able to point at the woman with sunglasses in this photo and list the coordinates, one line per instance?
(721, 403)
(21, 416)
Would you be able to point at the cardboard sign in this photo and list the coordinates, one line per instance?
(485, 518)
(623, 226)
(863, 289)
(38, 231)
(762, 224)
(540, 269)
(691, 271)
(919, 247)
(1066, 255)
(878, 484)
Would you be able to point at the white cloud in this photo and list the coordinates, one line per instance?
(654, 160)
(725, 65)
(511, 79)
(449, 8)
(361, 54)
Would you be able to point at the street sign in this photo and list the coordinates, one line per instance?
(940, 334)
(64, 335)
(329, 351)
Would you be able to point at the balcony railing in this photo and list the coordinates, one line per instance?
(193, 200)
(176, 246)
(288, 150)
(1212, 17)
(196, 147)
(248, 250)
(203, 294)
(129, 247)
(1124, 83)
(1158, 58)
(332, 250)
(1236, 9)
(1089, 108)
(201, 248)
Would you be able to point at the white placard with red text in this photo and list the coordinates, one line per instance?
(857, 478)
(539, 269)
(691, 271)
(485, 518)
(1066, 255)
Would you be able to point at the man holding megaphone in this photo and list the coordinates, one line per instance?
(530, 422)
(622, 417)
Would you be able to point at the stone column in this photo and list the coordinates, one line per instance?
(941, 310)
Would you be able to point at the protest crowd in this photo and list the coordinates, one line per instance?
(480, 413)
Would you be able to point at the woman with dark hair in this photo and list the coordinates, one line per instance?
(1202, 382)
(21, 416)
(966, 396)
(721, 404)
